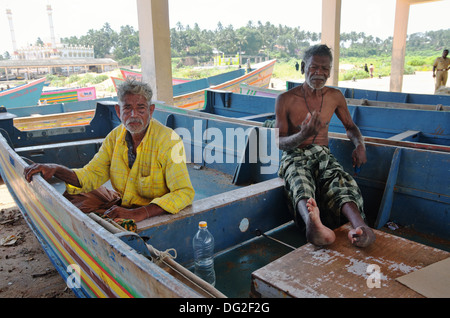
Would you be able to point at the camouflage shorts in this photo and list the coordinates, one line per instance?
(313, 172)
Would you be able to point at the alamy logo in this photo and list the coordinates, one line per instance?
(214, 145)
(74, 278)
(374, 279)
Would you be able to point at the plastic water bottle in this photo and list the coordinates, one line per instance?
(203, 243)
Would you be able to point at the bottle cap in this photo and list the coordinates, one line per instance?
(202, 224)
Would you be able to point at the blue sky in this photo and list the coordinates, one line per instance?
(70, 17)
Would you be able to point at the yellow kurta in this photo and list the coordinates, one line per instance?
(158, 175)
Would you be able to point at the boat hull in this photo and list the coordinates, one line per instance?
(259, 78)
(23, 95)
(68, 95)
(192, 95)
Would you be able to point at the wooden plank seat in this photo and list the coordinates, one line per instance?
(342, 270)
(404, 135)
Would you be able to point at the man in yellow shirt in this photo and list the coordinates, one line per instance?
(141, 158)
(440, 70)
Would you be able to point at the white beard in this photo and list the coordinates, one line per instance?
(135, 130)
(308, 81)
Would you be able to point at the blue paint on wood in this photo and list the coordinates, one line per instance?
(388, 196)
(426, 99)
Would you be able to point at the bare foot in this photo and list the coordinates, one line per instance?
(362, 236)
(317, 233)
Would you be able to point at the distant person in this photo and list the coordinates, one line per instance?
(313, 177)
(366, 68)
(139, 157)
(249, 67)
(297, 66)
(440, 70)
(371, 70)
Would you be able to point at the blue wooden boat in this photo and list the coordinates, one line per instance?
(429, 128)
(66, 95)
(191, 95)
(392, 97)
(424, 129)
(22, 95)
(267, 92)
(131, 73)
(237, 192)
(182, 87)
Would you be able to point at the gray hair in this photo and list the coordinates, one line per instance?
(319, 49)
(132, 86)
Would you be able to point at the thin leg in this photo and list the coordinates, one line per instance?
(316, 233)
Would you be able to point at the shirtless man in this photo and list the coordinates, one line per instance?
(307, 166)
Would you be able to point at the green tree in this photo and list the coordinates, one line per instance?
(127, 43)
(281, 41)
(103, 40)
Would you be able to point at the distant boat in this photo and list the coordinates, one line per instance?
(260, 77)
(191, 95)
(68, 95)
(127, 73)
(22, 95)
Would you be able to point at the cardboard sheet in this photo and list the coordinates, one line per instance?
(432, 281)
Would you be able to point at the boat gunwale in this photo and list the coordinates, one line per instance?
(213, 202)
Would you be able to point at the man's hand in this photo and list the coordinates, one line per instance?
(311, 125)
(52, 170)
(359, 156)
(47, 171)
(118, 212)
(137, 214)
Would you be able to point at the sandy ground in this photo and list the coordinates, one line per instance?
(419, 83)
(25, 269)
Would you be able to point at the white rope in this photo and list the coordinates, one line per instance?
(161, 255)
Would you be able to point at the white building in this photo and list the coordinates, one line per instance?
(49, 50)
(61, 51)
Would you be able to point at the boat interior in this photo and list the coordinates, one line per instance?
(233, 168)
(396, 124)
(392, 124)
(391, 97)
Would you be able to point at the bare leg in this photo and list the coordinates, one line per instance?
(316, 233)
(361, 235)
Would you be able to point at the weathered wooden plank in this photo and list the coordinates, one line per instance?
(388, 196)
(342, 270)
(404, 135)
